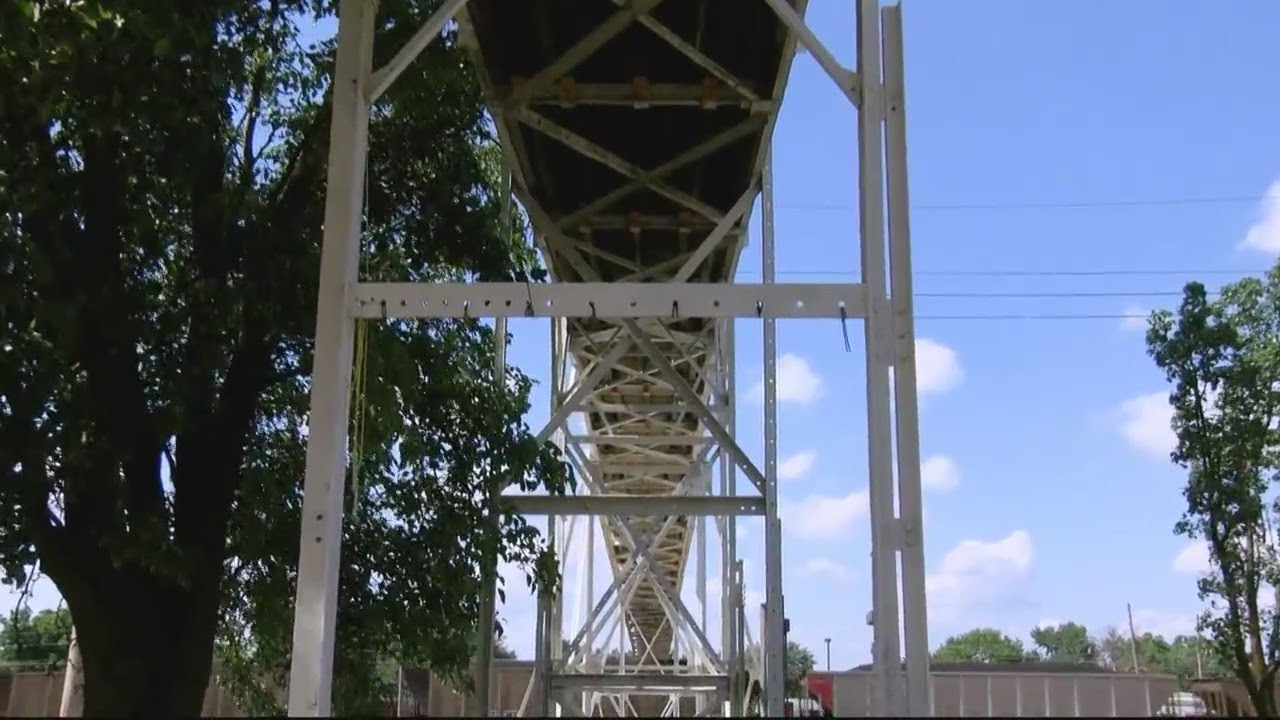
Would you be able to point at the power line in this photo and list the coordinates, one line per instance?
(1058, 205)
(1119, 272)
(1085, 273)
(1069, 316)
(996, 295)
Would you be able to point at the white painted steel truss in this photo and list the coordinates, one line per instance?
(646, 358)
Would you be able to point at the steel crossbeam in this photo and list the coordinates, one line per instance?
(643, 307)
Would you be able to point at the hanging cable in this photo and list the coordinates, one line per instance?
(359, 405)
(360, 367)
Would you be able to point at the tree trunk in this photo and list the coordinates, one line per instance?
(150, 657)
(1264, 698)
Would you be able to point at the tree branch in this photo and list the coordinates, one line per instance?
(109, 336)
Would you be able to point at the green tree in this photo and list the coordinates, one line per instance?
(981, 645)
(1067, 642)
(1185, 656)
(799, 663)
(502, 651)
(162, 175)
(1191, 657)
(1115, 651)
(1222, 358)
(34, 640)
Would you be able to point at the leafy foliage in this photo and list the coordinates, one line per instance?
(1222, 358)
(983, 645)
(1184, 656)
(1067, 642)
(502, 651)
(799, 663)
(162, 191)
(34, 641)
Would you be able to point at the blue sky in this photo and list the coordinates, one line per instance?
(1044, 136)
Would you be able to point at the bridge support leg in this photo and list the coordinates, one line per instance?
(906, 411)
(489, 587)
(730, 630)
(311, 671)
(890, 343)
(774, 632)
(480, 704)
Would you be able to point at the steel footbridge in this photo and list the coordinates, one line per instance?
(636, 133)
(637, 137)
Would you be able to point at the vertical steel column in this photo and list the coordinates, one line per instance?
(700, 579)
(700, 529)
(915, 612)
(589, 588)
(542, 637)
(316, 605)
(541, 651)
(563, 533)
(730, 626)
(489, 600)
(773, 633)
(876, 330)
(739, 701)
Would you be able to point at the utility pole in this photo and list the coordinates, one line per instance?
(1133, 637)
(1199, 658)
(828, 642)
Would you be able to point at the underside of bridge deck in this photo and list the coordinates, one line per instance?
(636, 147)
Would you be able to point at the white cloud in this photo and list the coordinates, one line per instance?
(797, 465)
(1165, 624)
(978, 574)
(1264, 234)
(1146, 423)
(1194, 559)
(821, 516)
(1135, 319)
(797, 382)
(826, 569)
(939, 473)
(937, 367)
(1049, 623)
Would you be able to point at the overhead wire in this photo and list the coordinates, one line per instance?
(1114, 272)
(1046, 294)
(1038, 316)
(1189, 274)
(1056, 205)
